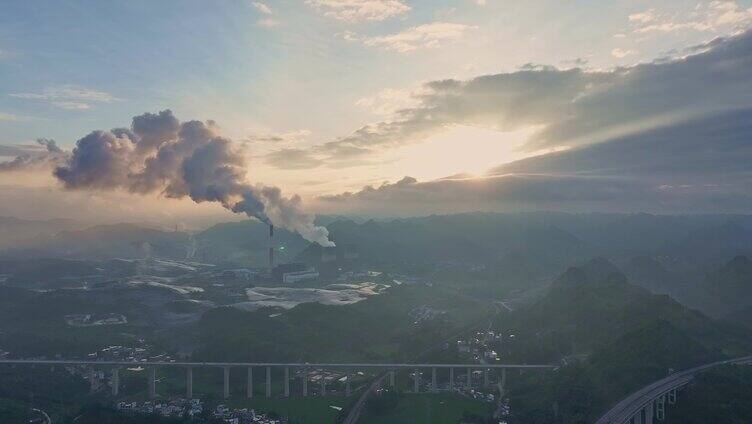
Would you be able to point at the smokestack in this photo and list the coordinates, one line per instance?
(271, 246)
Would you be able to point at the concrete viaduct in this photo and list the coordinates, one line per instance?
(649, 403)
(152, 367)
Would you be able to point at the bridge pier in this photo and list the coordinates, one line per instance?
(249, 384)
(347, 387)
(469, 378)
(660, 407)
(637, 419)
(287, 382)
(323, 386)
(152, 382)
(268, 382)
(486, 381)
(434, 384)
(115, 382)
(503, 383)
(649, 413)
(451, 379)
(416, 381)
(189, 382)
(305, 384)
(672, 397)
(226, 385)
(392, 379)
(92, 381)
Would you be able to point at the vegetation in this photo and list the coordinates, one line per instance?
(720, 395)
(426, 408)
(375, 329)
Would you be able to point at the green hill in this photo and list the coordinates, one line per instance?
(613, 337)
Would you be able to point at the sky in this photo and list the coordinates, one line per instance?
(386, 107)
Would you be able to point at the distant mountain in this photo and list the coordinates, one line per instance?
(474, 238)
(613, 336)
(729, 289)
(105, 242)
(591, 306)
(547, 242)
(716, 242)
(659, 277)
(16, 232)
(246, 242)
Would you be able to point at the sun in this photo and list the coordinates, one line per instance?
(461, 149)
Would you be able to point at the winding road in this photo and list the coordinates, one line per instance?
(630, 406)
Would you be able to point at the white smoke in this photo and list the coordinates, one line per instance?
(159, 154)
(46, 155)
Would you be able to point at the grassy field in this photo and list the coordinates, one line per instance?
(312, 409)
(429, 409)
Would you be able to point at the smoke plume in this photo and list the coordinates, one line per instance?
(46, 155)
(159, 154)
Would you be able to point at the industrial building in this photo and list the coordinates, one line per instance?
(293, 272)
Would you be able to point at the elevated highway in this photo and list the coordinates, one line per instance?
(151, 367)
(648, 403)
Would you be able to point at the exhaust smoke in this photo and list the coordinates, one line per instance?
(159, 154)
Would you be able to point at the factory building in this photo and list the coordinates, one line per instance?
(293, 273)
(296, 276)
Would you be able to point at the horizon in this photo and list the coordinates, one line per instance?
(375, 212)
(568, 124)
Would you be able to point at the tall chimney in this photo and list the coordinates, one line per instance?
(271, 246)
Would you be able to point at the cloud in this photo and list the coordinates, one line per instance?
(621, 53)
(292, 158)
(9, 117)
(387, 101)
(69, 97)
(262, 7)
(715, 16)
(353, 11)
(278, 138)
(569, 107)
(643, 17)
(578, 62)
(44, 155)
(424, 36)
(702, 166)
(267, 23)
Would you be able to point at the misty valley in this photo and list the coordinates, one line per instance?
(613, 301)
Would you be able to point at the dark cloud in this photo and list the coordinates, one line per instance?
(696, 166)
(190, 159)
(571, 107)
(155, 129)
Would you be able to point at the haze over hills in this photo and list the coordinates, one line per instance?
(615, 309)
(618, 336)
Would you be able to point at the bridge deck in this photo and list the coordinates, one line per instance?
(264, 364)
(632, 404)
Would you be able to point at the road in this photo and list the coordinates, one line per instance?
(47, 418)
(354, 414)
(357, 409)
(262, 364)
(632, 404)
